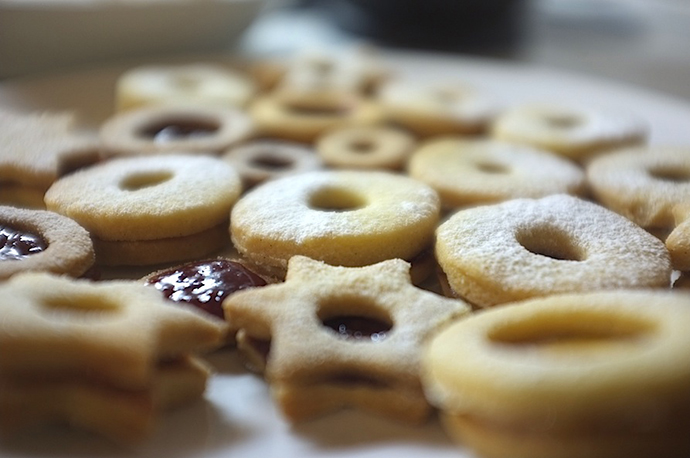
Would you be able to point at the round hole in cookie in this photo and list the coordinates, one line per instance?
(321, 108)
(355, 318)
(549, 241)
(137, 181)
(572, 331)
(362, 146)
(179, 129)
(271, 162)
(336, 199)
(671, 174)
(185, 82)
(562, 121)
(492, 168)
(79, 305)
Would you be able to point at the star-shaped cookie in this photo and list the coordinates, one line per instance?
(36, 149)
(342, 337)
(55, 327)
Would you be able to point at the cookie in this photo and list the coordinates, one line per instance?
(366, 147)
(588, 375)
(196, 83)
(349, 218)
(174, 128)
(262, 160)
(526, 248)
(148, 198)
(342, 337)
(37, 149)
(575, 132)
(436, 109)
(467, 172)
(38, 240)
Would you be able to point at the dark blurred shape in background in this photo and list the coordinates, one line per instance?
(468, 26)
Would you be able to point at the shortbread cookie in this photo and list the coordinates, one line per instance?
(262, 160)
(166, 129)
(148, 198)
(36, 149)
(366, 147)
(468, 172)
(596, 375)
(122, 416)
(574, 132)
(527, 248)
(197, 83)
(343, 337)
(204, 284)
(303, 117)
(349, 218)
(355, 70)
(38, 240)
(116, 332)
(643, 184)
(437, 109)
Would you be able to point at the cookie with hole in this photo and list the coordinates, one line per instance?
(195, 83)
(468, 172)
(366, 147)
(118, 346)
(172, 128)
(140, 210)
(333, 337)
(262, 160)
(644, 184)
(525, 248)
(576, 132)
(39, 240)
(587, 375)
(435, 108)
(303, 117)
(348, 218)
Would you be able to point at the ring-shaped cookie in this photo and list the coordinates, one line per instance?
(166, 129)
(196, 83)
(348, 218)
(526, 248)
(39, 240)
(467, 172)
(436, 109)
(263, 160)
(590, 375)
(303, 117)
(365, 147)
(643, 184)
(145, 198)
(571, 131)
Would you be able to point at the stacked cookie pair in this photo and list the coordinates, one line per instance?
(103, 357)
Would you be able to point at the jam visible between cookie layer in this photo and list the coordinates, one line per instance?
(16, 244)
(205, 284)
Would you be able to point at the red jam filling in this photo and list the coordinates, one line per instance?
(358, 328)
(15, 244)
(205, 284)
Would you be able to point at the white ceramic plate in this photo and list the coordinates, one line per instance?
(238, 418)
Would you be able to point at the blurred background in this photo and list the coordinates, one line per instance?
(644, 42)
